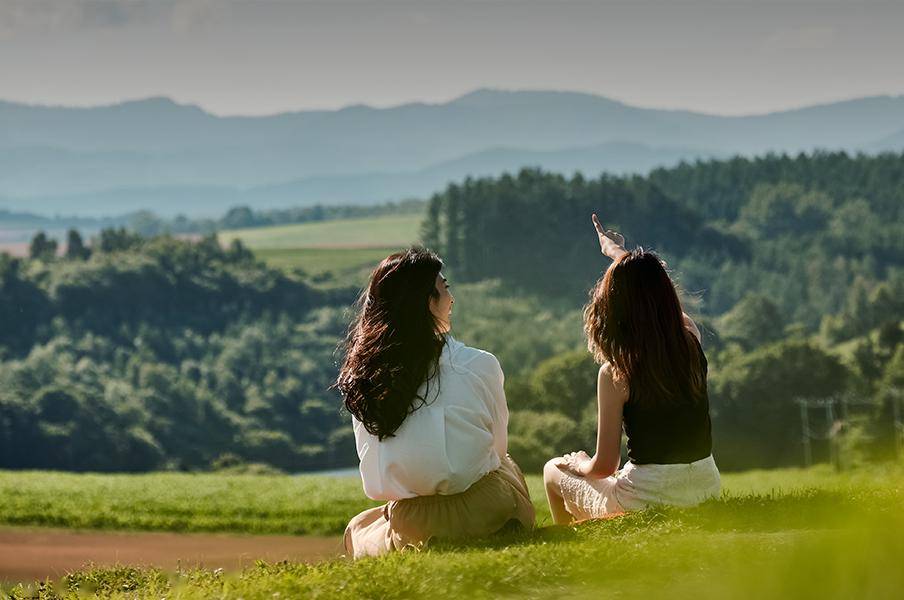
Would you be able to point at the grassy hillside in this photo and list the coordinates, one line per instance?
(772, 534)
(339, 265)
(342, 250)
(304, 504)
(375, 232)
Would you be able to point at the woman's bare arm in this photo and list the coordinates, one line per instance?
(611, 396)
(612, 243)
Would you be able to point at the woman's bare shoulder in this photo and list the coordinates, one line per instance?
(692, 327)
(610, 383)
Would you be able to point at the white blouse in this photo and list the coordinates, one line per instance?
(443, 447)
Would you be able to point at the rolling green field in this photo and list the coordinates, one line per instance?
(382, 231)
(343, 250)
(790, 533)
(283, 504)
(342, 265)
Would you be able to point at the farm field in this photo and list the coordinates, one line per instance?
(339, 264)
(807, 533)
(370, 232)
(342, 251)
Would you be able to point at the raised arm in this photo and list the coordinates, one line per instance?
(612, 243)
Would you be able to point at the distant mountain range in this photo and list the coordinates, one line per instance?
(158, 155)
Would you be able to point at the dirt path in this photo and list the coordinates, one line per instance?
(30, 554)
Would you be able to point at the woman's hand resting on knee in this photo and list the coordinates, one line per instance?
(577, 463)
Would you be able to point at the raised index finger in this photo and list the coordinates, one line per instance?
(596, 223)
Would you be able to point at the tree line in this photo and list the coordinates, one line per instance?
(143, 354)
(793, 265)
(133, 353)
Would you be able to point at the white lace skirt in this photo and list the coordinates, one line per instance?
(637, 486)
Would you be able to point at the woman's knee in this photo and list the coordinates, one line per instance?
(551, 472)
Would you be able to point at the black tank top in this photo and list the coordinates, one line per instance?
(669, 433)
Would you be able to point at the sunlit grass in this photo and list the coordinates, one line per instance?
(280, 504)
(303, 504)
(373, 232)
(333, 253)
(317, 261)
(330, 267)
(793, 534)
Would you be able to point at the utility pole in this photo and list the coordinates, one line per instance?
(805, 427)
(899, 427)
(832, 435)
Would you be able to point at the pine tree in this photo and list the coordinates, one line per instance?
(75, 246)
(42, 247)
(430, 229)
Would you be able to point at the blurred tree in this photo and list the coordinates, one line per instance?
(146, 223)
(118, 240)
(756, 420)
(535, 437)
(784, 209)
(24, 307)
(566, 383)
(752, 322)
(56, 404)
(891, 335)
(75, 246)
(894, 371)
(238, 217)
(238, 252)
(42, 247)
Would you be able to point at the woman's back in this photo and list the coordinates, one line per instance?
(670, 432)
(429, 417)
(651, 385)
(447, 444)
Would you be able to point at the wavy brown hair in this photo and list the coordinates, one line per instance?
(634, 320)
(392, 346)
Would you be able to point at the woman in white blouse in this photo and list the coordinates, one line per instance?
(429, 415)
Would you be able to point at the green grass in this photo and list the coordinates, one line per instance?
(284, 504)
(335, 253)
(340, 265)
(790, 533)
(374, 232)
(181, 502)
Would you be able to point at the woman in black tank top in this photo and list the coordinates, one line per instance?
(668, 432)
(652, 385)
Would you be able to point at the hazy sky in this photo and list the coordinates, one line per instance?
(266, 56)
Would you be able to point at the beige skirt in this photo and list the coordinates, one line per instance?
(484, 508)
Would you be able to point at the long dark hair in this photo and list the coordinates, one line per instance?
(392, 346)
(635, 322)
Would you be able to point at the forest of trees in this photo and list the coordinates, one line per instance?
(794, 267)
(165, 353)
(133, 353)
(800, 231)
